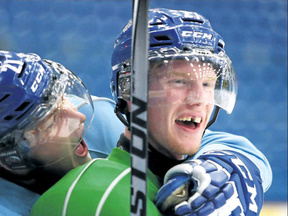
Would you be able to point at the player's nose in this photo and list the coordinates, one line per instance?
(195, 94)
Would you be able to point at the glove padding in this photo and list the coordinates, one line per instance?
(207, 186)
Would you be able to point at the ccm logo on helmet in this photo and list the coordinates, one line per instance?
(38, 79)
(197, 35)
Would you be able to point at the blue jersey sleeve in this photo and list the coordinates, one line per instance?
(15, 200)
(215, 141)
(105, 128)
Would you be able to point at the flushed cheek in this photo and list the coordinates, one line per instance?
(174, 96)
(159, 123)
(165, 97)
(156, 117)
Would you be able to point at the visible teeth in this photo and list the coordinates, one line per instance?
(197, 120)
(184, 119)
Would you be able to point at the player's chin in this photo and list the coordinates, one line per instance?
(186, 147)
(191, 149)
(188, 139)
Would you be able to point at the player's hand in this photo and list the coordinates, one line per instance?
(200, 187)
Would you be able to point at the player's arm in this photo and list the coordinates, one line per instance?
(216, 183)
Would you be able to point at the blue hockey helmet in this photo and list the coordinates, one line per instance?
(175, 34)
(31, 91)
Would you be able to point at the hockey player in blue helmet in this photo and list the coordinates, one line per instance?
(212, 174)
(45, 113)
(172, 38)
(41, 104)
(189, 75)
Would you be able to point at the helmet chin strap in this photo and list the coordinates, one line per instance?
(121, 117)
(216, 112)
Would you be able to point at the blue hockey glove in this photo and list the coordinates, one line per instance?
(216, 184)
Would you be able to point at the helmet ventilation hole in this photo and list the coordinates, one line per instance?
(162, 38)
(22, 71)
(9, 117)
(22, 106)
(220, 45)
(187, 19)
(24, 112)
(5, 96)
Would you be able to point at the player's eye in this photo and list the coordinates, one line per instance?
(52, 123)
(209, 84)
(177, 82)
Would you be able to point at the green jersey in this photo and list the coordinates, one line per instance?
(100, 187)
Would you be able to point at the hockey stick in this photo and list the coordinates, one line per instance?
(139, 83)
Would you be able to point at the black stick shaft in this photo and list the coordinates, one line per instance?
(139, 99)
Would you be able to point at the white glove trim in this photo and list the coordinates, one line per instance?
(180, 168)
(202, 178)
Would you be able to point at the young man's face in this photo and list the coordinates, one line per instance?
(56, 139)
(180, 92)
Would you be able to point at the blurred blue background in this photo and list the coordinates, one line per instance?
(80, 35)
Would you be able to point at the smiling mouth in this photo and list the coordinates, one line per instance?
(190, 122)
